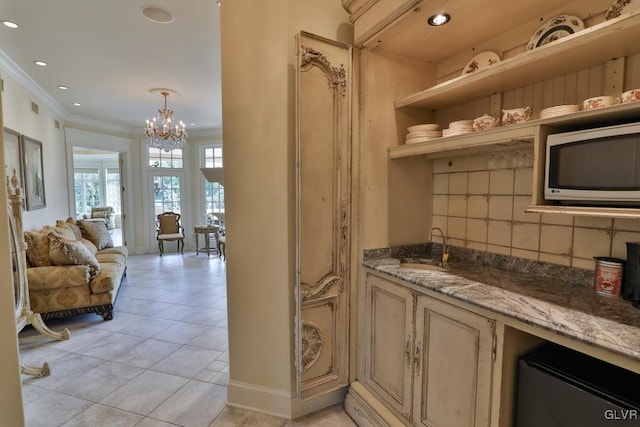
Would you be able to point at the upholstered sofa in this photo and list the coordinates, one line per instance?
(73, 268)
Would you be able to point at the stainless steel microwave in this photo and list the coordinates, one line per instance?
(598, 166)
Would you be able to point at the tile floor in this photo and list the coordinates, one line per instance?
(162, 360)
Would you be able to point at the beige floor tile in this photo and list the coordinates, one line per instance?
(145, 392)
(186, 361)
(98, 382)
(196, 404)
(53, 409)
(147, 353)
(110, 345)
(334, 416)
(213, 338)
(65, 369)
(181, 332)
(100, 415)
(232, 417)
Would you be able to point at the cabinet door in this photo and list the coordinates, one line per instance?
(323, 214)
(389, 343)
(453, 366)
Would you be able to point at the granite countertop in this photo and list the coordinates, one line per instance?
(559, 299)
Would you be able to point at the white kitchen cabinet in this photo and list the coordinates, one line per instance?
(427, 360)
(389, 346)
(453, 366)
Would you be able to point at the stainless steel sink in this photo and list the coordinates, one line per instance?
(418, 266)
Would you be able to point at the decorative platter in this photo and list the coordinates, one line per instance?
(480, 62)
(554, 29)
(621, 6)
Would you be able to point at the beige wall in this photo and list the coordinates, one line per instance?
(10, 386)
(258, 112)
(16, 102)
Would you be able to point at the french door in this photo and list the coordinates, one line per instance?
(166, 194)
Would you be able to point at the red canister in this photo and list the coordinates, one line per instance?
(608, 275)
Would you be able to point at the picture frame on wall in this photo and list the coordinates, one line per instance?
(12, 154)
(33, 170)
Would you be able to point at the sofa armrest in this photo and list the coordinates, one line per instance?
(58, 276)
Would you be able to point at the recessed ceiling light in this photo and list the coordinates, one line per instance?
(192, 124)
(439, 19)
(10, 24)
(40, 63)
(62, 87)
(76, 104)
(156, 14)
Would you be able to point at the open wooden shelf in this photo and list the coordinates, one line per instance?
(517, 134)
(468, 143)
(593, 211)
(587, 48)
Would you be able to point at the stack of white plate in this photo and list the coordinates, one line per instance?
(459, 127)
(559, 110)
(422, 133)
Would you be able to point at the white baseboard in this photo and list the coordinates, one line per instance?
(276, 402)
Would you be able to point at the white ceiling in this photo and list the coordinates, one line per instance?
(109, 55)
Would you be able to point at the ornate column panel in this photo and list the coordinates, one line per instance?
(323, 168)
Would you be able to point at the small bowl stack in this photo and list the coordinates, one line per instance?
(422, 133)
(559, 110)
(459, 127)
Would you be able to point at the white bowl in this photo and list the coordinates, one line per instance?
(430, 133)
(427, 126)
(559, 110)
(461, 124)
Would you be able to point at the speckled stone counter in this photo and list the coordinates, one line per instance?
(556, 298)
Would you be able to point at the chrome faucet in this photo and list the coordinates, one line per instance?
(445, 253)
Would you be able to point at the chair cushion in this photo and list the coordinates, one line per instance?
(64, 251)
(170, 236)
(97, 233)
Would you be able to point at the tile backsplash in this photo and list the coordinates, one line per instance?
(480, 202)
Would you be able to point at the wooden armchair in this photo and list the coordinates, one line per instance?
(168, 228)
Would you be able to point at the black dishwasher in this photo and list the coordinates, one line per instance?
(559, 387)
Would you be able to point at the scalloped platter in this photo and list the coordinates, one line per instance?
(620, 7)
(554, 29)
(480, 62)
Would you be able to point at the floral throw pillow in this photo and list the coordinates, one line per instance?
(73, 225)
(65, 251)
(97, 233)
(37, 248)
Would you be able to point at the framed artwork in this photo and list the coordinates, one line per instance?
(12, 154)
(32, 166)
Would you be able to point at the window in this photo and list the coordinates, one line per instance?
(213, 157)
(166, 193)
(214, 198)
(113, 189)
(87, 189)
(161, 159)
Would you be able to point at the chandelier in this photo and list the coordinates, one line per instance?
(162, 131)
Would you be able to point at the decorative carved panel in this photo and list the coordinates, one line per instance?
(323, 189)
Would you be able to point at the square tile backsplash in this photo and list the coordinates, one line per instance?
(484, 208)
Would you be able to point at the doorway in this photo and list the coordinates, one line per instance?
(97, 182)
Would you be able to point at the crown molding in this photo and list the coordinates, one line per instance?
(14, 71)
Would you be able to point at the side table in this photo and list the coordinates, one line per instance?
(207, 230)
